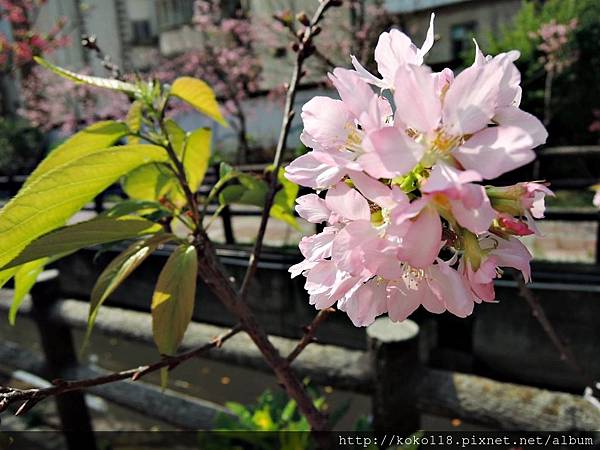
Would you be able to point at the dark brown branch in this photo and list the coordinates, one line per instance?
(563, 349)
(30, 397)
(309, 334)
(305, 48)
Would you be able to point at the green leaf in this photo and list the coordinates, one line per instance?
(25, 278)
(196, 156)
(106, 83)
(100, 230)
(176, 136)
(173, 299)
(199, 95)
(117, 271)
(139, 207)
(134, 120)
(149, 182)
(242, 195)
(225, 170)
(54, 197)
(134, 116)
(284, 202)
(97, 136)
(6, 275)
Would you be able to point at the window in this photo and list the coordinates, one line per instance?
(174, 13)
(142, 32)
(461, 35)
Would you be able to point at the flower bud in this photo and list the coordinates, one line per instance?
(303, 18)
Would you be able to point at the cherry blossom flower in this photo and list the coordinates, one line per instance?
(408, 222)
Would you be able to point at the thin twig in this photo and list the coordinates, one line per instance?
(564, 351)
(304, 50)
(309, 334)
(30, 397)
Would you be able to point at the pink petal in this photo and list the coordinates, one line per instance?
(453, 289)
(390, 153)
(366, 75)
(428, 43)
(309, 170)
(301, 267)
(347, 249)
(368, 302)
(402, 301)
(513, 116)
(444, 178)
(421, 243)
(318, 246)
(496, 150)
(373, 189)
(512, 253)
(417, 104)
(470, 102)
(347, 202)
(325, 121)
(475, 218)
(393, 50)
(312, 208)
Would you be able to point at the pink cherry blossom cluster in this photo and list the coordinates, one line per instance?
(407, 221)
(554, 38)
(27, 43)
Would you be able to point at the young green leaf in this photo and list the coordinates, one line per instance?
(242, 195)
(199, 95)
(118, 270)
(176, 136)
(97, 136)
(134, 116)
(134, 120)
(100, 230)
(149, 182)
(173, 299)
(7, 274)
(196, 156)
(54, 197)
(284, 202)
(25, 278)
(106, 83)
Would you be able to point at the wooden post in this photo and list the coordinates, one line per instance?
(227, 227)
(394, 352)
(60, 355)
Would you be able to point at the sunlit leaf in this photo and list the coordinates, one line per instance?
(106, 83)
(149, 182)
(100, 230)
(97, 136)
(284, 202)
(199, 95)
(25, 278)
(118, 270)
(173, 299)
(176, 136)
(47, 202)
(134, 120)
(197, 156)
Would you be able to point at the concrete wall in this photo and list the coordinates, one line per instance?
(502, 340)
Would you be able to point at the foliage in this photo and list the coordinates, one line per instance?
(574, 99)
(21, 146)
(273, 412)
(161, 167)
